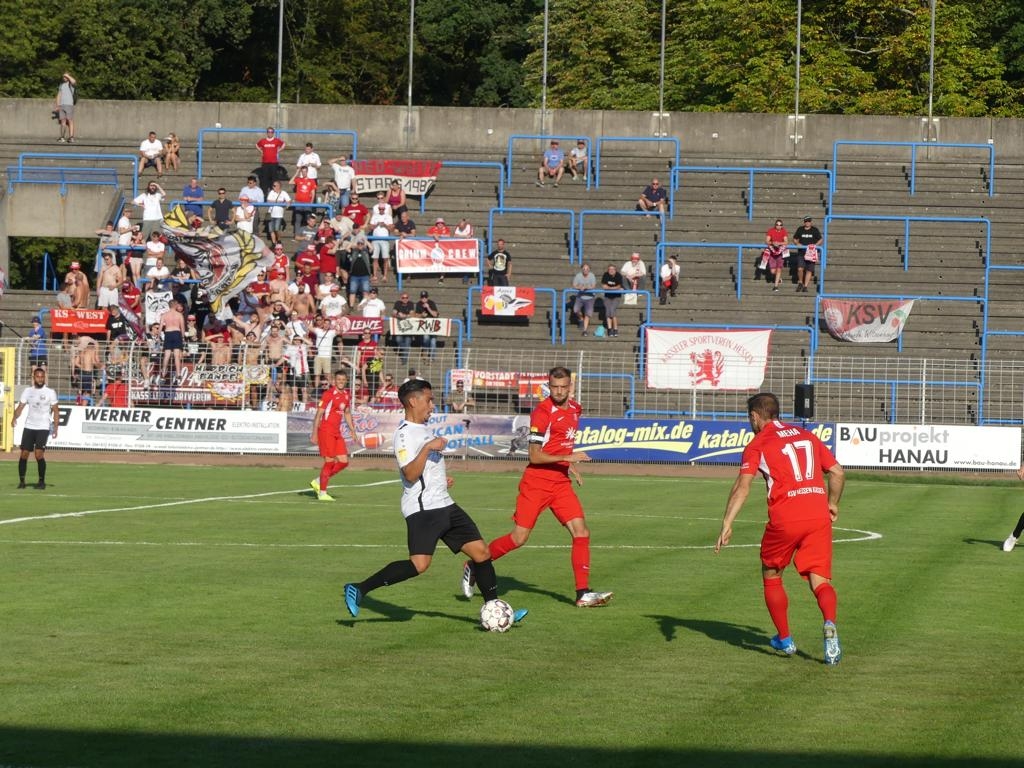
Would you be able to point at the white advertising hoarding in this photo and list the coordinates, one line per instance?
(930, 446)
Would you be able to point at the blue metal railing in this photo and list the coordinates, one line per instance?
(751, 171)
(471, 309)
(133, 159)
(65, 177)
(540, 137)
(203, 132)
(914, 146)
(601, 140)
(49, 273)
(659, 257)
(547, 211)
(598, 293)
(601, 212)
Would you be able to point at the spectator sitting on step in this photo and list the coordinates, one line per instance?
(669, 278)
(151, 152)
(552, 164)
(611, 280)
(463, 228)
(193, 195)
(426, 309)
(634, 273)
(653, 198)
(583, 306)
(578, 160)
(405, 226)
(157, 274)
(172, 152)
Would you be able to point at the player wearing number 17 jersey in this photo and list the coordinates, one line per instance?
(546, 484)
(800, 515)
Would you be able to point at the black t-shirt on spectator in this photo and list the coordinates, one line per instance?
(612, 283)
(406, 228)
(221, 211)
(117, 326)
(805, 237)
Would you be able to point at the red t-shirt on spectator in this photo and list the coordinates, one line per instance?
(270, 148)
(357, 212)
(305, 190)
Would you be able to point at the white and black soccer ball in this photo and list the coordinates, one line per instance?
(496, 616)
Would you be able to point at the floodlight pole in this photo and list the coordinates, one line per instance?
(544, 75)
(280, 54)
(408, 113)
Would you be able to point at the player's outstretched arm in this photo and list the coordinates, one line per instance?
(737, 497)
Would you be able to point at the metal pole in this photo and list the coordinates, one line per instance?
(544, 75)
(931, 68)
(661, 77)
(408, 113)
(280, 54)
(799, 22)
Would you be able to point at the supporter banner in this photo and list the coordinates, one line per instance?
(203, 385)
(928, 446)
(673, 440)
(159, 429)
(416, 176)
(465, 434)
(3, 282)
(706, 359)
(865, 321)
(356, 325)
(509, 300)
(415, 326)
(78, 320)
(525, 384)
(157, 302)
(437, 256)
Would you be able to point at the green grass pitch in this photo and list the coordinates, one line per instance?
(194, 618)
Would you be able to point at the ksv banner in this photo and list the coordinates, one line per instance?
(928, 446)
(706, 359)
(437, 256)
(78, 320)
(508, 300)
(415, 176)
(865, 321)
(673, 440)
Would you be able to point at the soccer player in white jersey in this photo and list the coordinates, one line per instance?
(431, 515)
(42, 417)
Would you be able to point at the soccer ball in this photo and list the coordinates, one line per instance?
(496, 616)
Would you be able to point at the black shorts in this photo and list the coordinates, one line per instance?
(449, 524)
(34, 439)
(801, 262)
(173, 341)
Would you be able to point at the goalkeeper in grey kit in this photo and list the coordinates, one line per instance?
(430, 513)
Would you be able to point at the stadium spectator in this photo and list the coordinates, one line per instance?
(191, 340)
(172, 152)
(296, 357)
(304, 303)
(634, 273)
(583, 306)
(359, 268)
(64, 108)
(304, 191)
(193, 195)
(254, 192)
(366, 351)
(341, 186)
(37, 353)
(156, 248)
(459, 400)
(669, 278)
(578, 160)
(85, 362)
(372, 306)
(245, 215)
(653, 198)
(386, 396)
(218, 338)
(157, 274)
(221, 209)
(151, 152)
(333, 306)
(131, 297)
(275, 224)
(115, 394)
(356, 211)
(426, 309)
(110, 278)
(184, 283)
(547, 484)
(335, 407)
(440, 229)
(309, 160)
(405, 226)
(117, 326)
(382, 224)
(76, 288)
(124, 228)
(611, 280)
(270, 147)
(773, 258)
(150, 203)
(499, 265)
(172, 324)
(430, 513)
(800, 515)
(403, 309)
(552, 164)
(41, 422)
(463, 228)
(396, 198)
(108, 237)
(323, 350)
(806, 257)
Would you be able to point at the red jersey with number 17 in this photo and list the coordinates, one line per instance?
(554, 429)
(334, 403)
(792, 461)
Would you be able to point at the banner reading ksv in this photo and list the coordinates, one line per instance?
(160, 429)
(671, 440)
(415, 176)
(932, 446)
(865, 321)
(437, 256)
(706, 359)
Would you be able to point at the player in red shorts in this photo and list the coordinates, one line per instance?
(546, 484)
(335, 405)
(800, 515)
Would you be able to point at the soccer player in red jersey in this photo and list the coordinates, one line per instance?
(335, 405)
(800, 515)
(546, 484)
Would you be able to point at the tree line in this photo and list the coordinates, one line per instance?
(857, 56)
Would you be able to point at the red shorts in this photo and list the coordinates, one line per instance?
(330, 443)
(542, 489)
(809, 540)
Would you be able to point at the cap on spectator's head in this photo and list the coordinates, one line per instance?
(634, 256)
(243, 197)
(127, 282)
(75, 265)
(439, 220)
(191, 317)
(311, 247)
(279, 247)
(335, 288)
(424, 294)
(35, 319)
(581, 141)
(808, 218)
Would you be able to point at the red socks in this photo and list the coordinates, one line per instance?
(329, 470)
(778, 604)
(581, 561)
(501, 546)
(827, 600)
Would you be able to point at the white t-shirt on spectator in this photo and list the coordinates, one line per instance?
(152, 148)
(277, 211)
(150, 206)
(343, 175)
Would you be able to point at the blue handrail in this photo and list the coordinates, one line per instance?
(598, 293)
(553, 211)
(605, 139)
(914, 146)
(133, 159)
(678, 172)
(65, 177)
(49, 271)
(280, 132)
(540, 137)
(601, 212)
(471, 309)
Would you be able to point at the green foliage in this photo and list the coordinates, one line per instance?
(26, 266)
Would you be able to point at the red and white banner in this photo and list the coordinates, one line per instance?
(355, 325)
(78, 320)
(437, 256)
(509, 300)
(706, 359)
(524, 384)
(416, 176)
(421, 326)
(866, 321)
